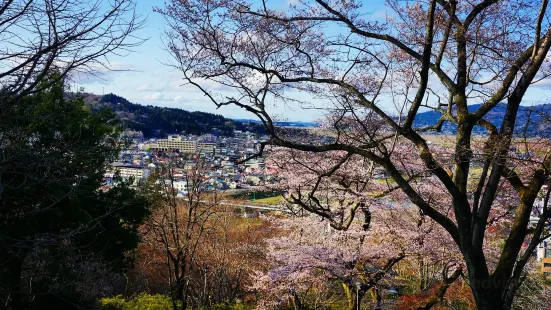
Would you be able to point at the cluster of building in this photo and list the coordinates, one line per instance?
(222, 159)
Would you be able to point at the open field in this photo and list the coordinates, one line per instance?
(269, 200)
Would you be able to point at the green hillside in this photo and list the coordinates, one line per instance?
(159, 121)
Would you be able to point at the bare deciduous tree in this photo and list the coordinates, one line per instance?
(66, 35)
(178, 227)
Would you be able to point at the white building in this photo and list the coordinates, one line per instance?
(174, 143)
(126, 172)
(181, 186)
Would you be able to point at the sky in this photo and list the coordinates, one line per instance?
(144, 77)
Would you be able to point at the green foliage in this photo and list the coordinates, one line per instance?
(241, 306)
(158, 302)
(269, 200)
(140, 302)
(159, 121)
(58, 227)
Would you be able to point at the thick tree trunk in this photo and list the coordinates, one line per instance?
(487, 290)
(297, 303)
(488, 294)
(181, 294)
(487, 299)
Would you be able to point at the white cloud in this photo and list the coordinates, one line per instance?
(146, 87)
(154, 96)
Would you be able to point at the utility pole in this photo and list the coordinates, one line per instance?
(206, 269)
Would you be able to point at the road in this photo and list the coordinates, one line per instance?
(265, 208)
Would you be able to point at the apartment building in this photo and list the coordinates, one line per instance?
(544, 257)
(137, 172)
(175, 143)
(126, 172)
(206, 147)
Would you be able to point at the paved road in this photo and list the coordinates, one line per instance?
(265, 207)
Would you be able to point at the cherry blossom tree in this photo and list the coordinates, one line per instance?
(312, 257)
(372, 76)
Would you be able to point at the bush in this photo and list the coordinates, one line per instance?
(231, 307)
(157, 302)
(140, 302)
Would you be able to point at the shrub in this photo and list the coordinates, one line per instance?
(140, 302)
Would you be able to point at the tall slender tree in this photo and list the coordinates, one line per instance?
(178, 227)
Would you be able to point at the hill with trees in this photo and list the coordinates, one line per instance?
(532, 120)
(159, 121)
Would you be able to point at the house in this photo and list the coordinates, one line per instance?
(253, 179)
(543, 250)
(181, 186)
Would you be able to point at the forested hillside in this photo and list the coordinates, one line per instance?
(160, 121)
(532, 120)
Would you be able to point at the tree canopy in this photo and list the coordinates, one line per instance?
(56, 222)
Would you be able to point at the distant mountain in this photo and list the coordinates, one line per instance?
(283, 123)
(159, 121)
(536, 117)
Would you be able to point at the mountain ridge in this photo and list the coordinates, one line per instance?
(156, 121)
(534, 120)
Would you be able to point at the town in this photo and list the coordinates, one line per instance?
(225, 160)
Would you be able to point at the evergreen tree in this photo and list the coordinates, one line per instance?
(59, 232)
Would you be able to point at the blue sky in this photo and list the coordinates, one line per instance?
(142, 76)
